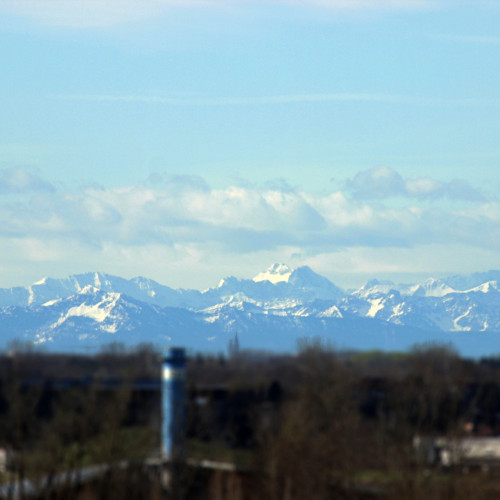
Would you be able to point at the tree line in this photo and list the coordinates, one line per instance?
(321, 423)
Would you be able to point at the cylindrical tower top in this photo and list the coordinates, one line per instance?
(175, 355)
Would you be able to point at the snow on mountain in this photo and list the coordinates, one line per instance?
(93, 317)
(102, 311)
(331, 312)
(140, 288)
(468, 282)
(276, 307)
(433, 304)
(275, 274)
(429, 288)
(432, 288)
(488, 287)
(303, 278)
(278, 287)
(374, 288)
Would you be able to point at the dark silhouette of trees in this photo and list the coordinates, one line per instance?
(321, 424)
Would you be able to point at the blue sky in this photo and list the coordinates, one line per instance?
(189, 140)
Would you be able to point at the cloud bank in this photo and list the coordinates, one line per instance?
(184, 232)
(384, 182)
(21, 180)
(185, 211)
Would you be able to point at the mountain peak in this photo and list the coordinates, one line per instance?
(89, 290)
(43, 281)
(275, 274)
(432, 287)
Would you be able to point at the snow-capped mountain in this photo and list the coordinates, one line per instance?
(431, 304)
(277, 288)
(269, 311)
(49, 289)
(275, 274)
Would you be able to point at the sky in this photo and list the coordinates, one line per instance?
(190, 140)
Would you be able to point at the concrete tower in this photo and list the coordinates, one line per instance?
(173, 403)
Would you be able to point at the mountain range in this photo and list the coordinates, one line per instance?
(269, 312)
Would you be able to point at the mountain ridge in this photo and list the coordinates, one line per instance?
(273, 309)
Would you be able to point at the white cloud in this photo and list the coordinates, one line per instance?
(186, 210)
(240, 101)
(83, 13)
(352, 267)
(100, 13)
(21, 180)
(378, 182)
(384, 182)
(182, 223)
